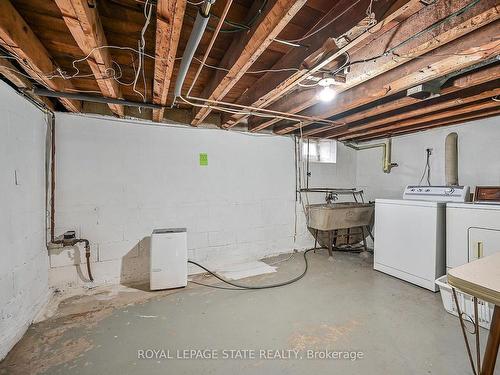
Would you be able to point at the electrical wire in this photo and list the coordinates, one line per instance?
(142, 45)
(310, 34)
(257, 287)
(427, 169)
(248, 71)
(418, 34)
(116, 73)
(237, 27)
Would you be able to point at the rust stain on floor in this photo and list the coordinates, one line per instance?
(321, 336)
(49, 343)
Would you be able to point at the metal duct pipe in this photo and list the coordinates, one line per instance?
(451, 159)
(199, 27)
(211, 44)
(387, 164)
(92, 98)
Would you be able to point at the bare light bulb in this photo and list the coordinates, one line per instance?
(327, 94)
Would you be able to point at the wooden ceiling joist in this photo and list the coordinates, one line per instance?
(85, 25)
(320, 47)
(487, 104)
(246, 49)
(469, 80)
(454, 120)
(474, 78)
(169, 17)
(10, 72)
(448, 104)
(411, 44)
(17, 37)
(463, 53)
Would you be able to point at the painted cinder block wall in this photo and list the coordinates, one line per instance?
(478, 159)
(24, 261)
(118, 180)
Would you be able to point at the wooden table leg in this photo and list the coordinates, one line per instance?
(491, 352)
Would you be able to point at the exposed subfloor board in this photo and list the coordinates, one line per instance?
(344, 305)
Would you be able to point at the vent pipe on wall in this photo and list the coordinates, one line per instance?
(451, 159)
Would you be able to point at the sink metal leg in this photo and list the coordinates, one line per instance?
(316, 241)
(330, 245)
(365, 247)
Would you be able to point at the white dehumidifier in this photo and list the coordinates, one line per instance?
(168, 264)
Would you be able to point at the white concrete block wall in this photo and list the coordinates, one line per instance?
(24, 264)
(479, 159)
(118, 180)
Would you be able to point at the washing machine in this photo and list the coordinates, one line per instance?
(472, 231)
(410, 233)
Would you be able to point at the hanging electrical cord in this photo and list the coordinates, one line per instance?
(427, 168)
(269, 286)
(148, 8)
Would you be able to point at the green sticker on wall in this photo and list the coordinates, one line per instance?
(203, 159)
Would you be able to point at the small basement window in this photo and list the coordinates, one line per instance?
(320, 151)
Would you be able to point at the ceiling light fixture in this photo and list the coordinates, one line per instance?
(327, 93)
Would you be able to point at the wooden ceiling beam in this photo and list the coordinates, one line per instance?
(10, 72)
(448, 122)
(320, 47)
(466, 52)
(429, 118)
(85, 25)
(169, 18)
(474, 78)
(246, 49)
(429, 108)
(17, 37)
(411, 46)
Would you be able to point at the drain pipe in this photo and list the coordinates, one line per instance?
(199, 27)
(68, 238)
(387, 164)
(451, 159)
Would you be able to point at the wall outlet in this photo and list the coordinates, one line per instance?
(429, 150)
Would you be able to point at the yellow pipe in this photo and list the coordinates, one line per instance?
(387, 164)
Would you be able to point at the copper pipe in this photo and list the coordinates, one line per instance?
(73, 242)
(211, 44)
(52, 177)
(63, 242)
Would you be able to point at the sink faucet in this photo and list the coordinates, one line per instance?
(331, 197)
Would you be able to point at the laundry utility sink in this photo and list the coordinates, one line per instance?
(333, 216)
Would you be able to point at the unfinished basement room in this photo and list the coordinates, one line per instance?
(249, 187)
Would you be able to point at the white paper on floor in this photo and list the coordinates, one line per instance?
(242, 270)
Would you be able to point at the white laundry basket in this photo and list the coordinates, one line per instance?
(465, 301)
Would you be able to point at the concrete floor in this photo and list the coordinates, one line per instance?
(339, 306)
